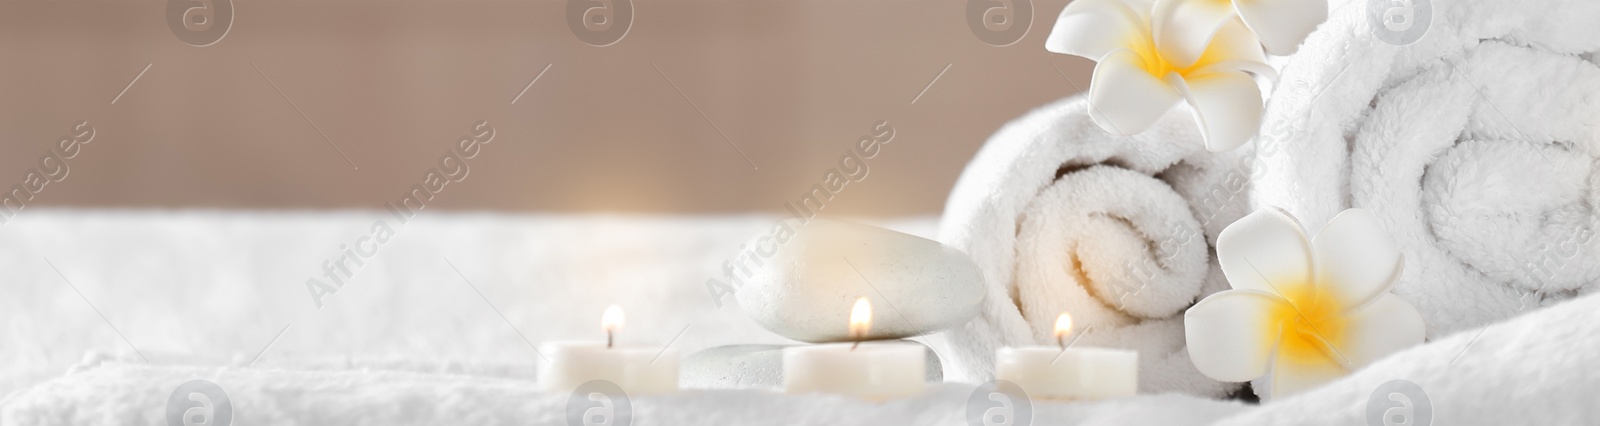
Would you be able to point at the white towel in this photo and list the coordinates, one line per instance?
(1475, 146)
(1117, 231)
(118, 394)
(214, 287)
(1537, 369)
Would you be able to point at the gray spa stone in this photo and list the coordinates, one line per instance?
(805, 289)
(754, 366)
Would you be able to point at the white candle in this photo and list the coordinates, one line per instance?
(1061, 372)
(875, 371)
(637, 369)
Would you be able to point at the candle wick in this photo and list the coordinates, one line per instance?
(609, 339)
(853, 347)
(1061, 341)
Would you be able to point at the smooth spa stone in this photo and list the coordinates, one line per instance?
(806, 286)
(756, 366)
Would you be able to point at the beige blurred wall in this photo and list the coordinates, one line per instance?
(393, 84)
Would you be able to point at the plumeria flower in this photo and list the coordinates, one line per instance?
(1281, 25)
(1136, 82)
(1312, 310)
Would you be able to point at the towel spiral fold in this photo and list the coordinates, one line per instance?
(1115, 231)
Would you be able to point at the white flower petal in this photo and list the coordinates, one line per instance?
(1356, 259)
(1282, 24)
(1233, 42)
(1264, 250)
(1291, 376)
(1229, 336)
(1226, 105)
(1183, 28)
(1093, 28)
(1124, 98)
(1383, 327)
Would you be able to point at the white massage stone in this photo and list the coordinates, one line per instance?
(803, 288)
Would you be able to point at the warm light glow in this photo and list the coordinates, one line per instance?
(612, 320)
(860, 318)
(1063, 326)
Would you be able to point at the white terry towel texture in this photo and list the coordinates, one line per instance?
(1475, 146)
(1536, 369)
(1116, 231)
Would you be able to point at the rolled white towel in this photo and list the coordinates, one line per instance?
(1475, 146)
(1116, 231)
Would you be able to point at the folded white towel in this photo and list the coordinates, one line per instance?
(1117, 231)
(1475, 146)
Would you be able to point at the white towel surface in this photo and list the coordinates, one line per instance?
(127, 394)
(1475, 146)
(209, 288)
(443, 357)
(1534, 369)
(1117, 231)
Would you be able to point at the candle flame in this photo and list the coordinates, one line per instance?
(1063, 326)
(612, 320)
(860, 318)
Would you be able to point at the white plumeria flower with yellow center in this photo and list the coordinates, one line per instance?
(1310, 310)
(1280, 24)
(1136, 81)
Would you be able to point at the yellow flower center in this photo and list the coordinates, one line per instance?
(1153, 61)
(1312, 324)
(1156, 63)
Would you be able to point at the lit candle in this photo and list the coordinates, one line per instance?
(634, 368)
(875, 371)
(1063, 372)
